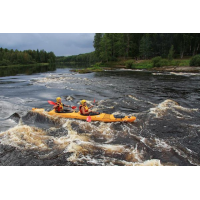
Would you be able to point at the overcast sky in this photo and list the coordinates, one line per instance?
(62, 44)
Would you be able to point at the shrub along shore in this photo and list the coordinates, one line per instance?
(157, 64)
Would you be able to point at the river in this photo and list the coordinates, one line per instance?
(166, 131)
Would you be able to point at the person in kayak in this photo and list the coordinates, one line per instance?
(59, 107)
(84, 110)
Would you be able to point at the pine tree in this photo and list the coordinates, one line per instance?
(171, 53)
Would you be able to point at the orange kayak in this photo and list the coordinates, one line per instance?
(103, 117)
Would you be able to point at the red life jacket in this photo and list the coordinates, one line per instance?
(86, 110)
(59, 108)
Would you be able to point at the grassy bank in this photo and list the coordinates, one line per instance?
(135, 64)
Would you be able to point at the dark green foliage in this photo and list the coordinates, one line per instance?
(157, 61)
(164, 62)
(129, 64)
(11, 57)
(81, 58)
(145, 47)
(171, 53)
(112, 46)
(96, 43)
(4, 62)
(195, 61)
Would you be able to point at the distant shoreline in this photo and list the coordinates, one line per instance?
(184, 69)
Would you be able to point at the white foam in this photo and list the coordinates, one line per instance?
(161, 108)
(185, 74)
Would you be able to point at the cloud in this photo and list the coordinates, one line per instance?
(62, 44)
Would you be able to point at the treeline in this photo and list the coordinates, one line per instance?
(81, 58)
(111, 46)
(12, 57)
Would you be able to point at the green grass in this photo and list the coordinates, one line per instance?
(133, 64)
(147, 64)
(94, 68)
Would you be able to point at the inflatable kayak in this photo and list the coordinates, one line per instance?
(103, 117)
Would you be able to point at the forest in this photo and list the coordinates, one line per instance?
(116, 46)
(139, 46)
(14, 57)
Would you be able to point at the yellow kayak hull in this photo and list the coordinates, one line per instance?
(103, 117)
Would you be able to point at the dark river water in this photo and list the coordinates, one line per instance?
(166, 132)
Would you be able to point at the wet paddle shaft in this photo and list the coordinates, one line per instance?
(53, 103)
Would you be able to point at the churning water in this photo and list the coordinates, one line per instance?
(166, 132)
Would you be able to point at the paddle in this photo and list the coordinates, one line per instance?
(94, 103)
(53, 103)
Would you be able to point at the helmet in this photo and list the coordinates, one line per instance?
(58, 98)
(83, 101)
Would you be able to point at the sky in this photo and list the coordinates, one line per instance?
(62, 44)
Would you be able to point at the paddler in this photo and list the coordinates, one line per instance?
(59, 107)
(84, 110)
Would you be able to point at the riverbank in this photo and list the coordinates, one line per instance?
(177, 69)
(187, 69)
(176, 65)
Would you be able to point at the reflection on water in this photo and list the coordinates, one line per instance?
(166, 131)
(37, 68)
(28, 70)
(72, 65)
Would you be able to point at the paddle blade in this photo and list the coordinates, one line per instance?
(88, 119)
(52, 103)
(94, 100)
(73, 107)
